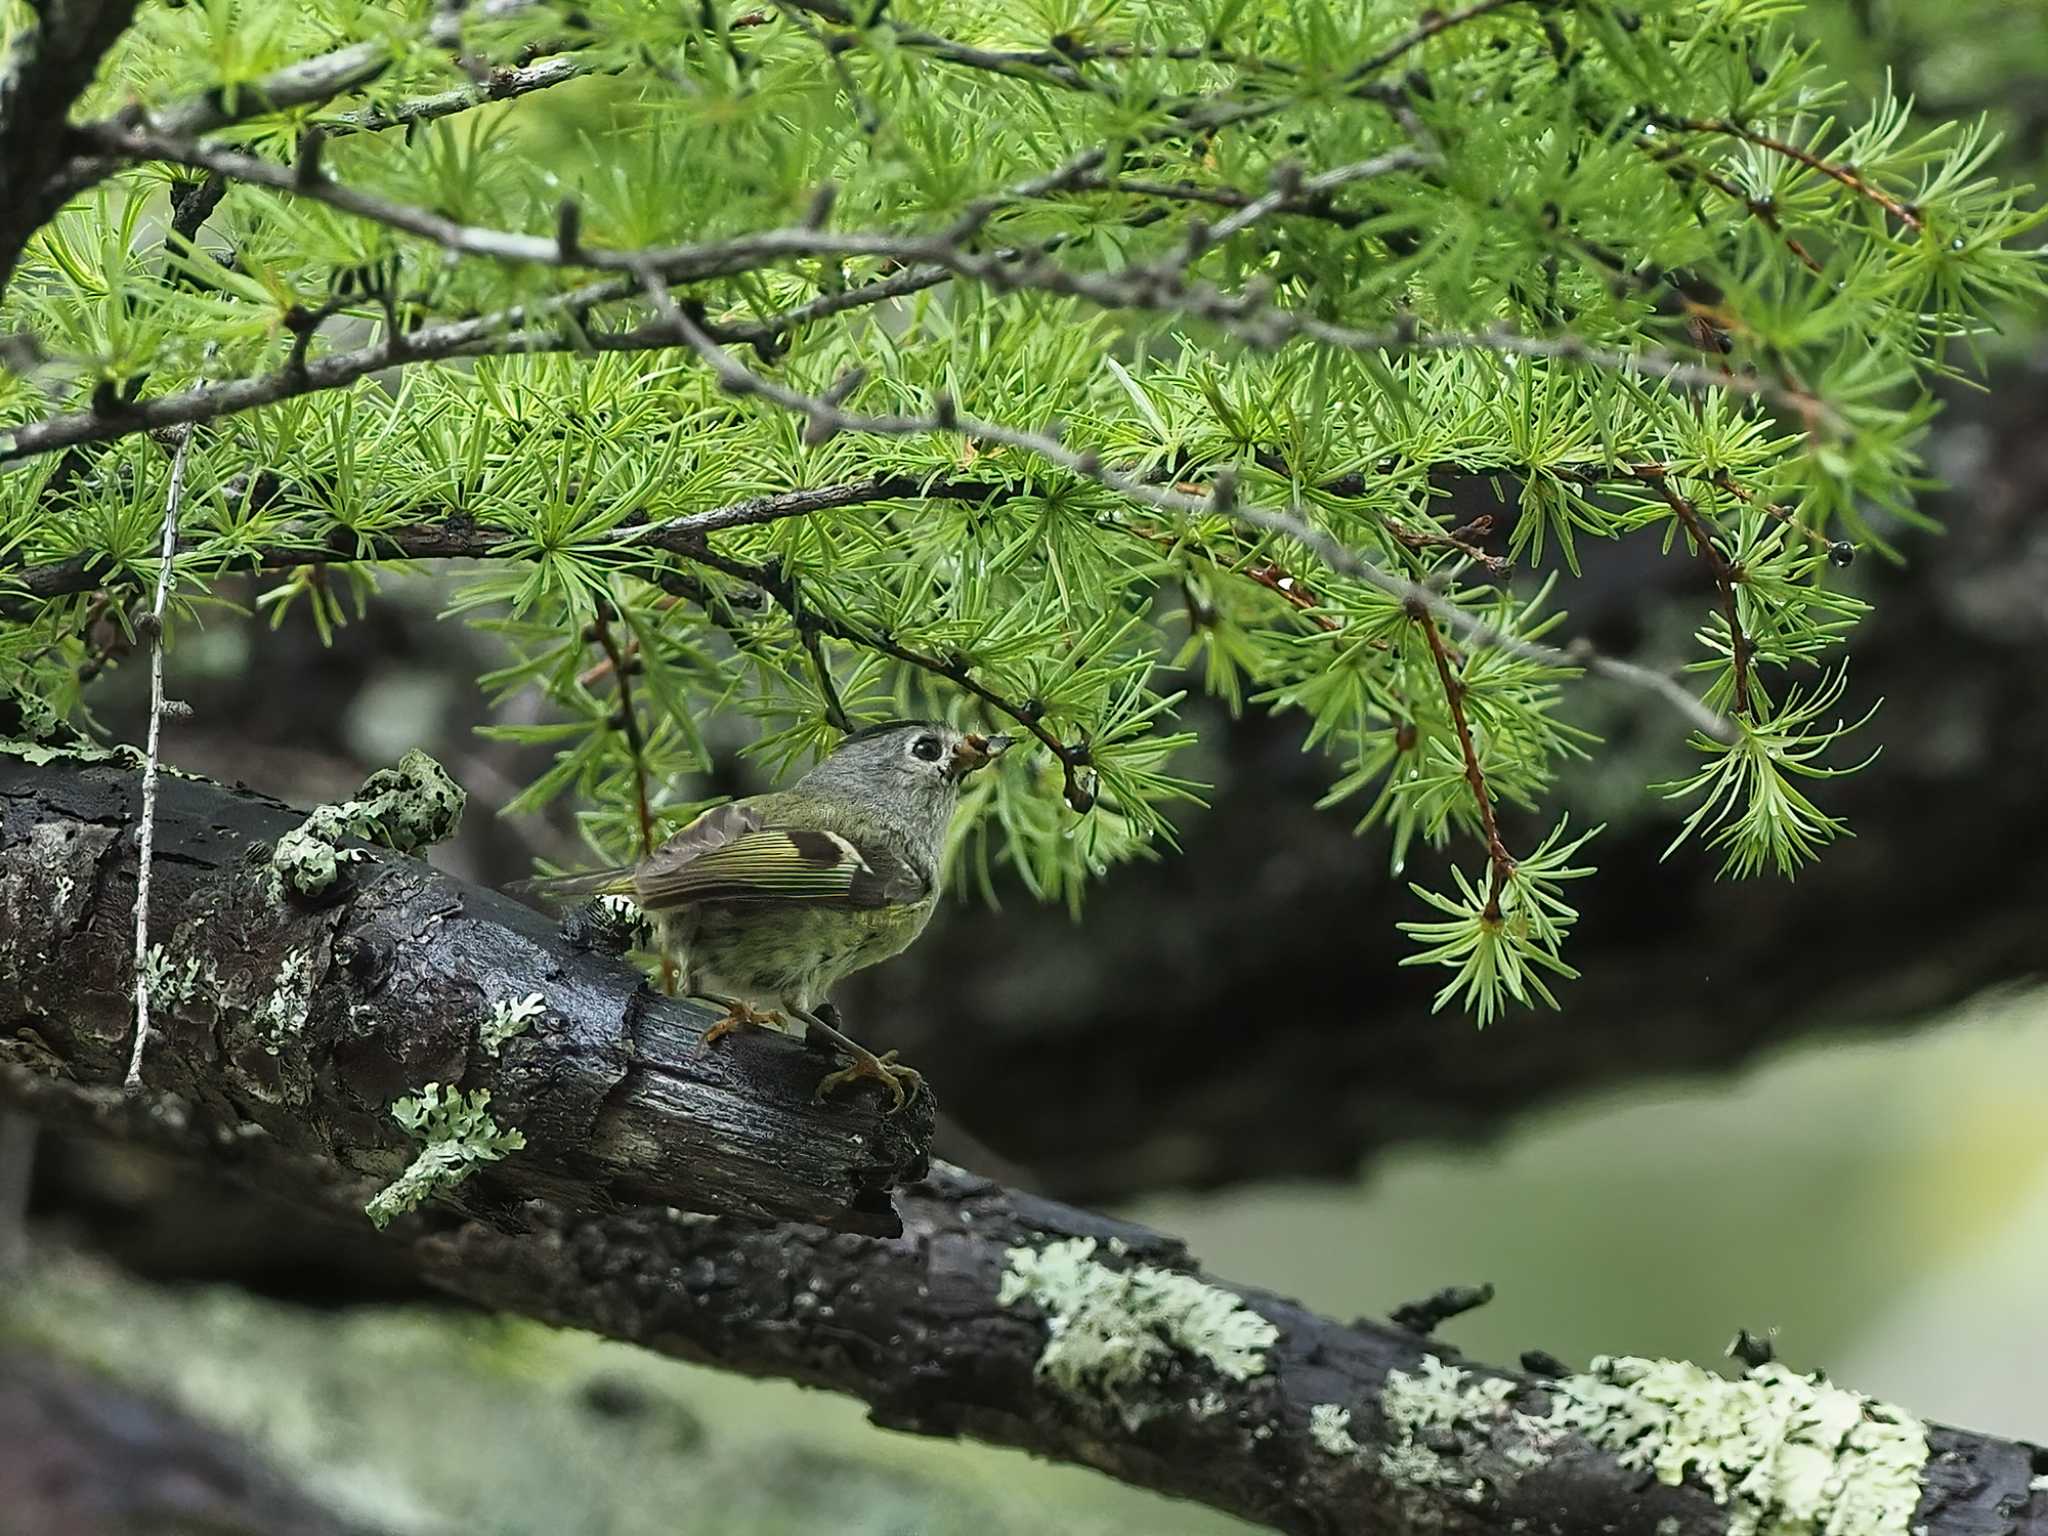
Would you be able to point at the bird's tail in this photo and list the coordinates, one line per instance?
(564, 891)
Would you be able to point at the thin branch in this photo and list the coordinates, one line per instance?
(459, 540)
(146, 828)
(506, 84)
(500, 333)
(626, 720)
(864, 111)
(828, 417)
(1844, 174)
(1726, 578)
(1072, 758)
(1250, 316)
(1497, 855)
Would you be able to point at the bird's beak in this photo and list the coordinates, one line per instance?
(977, 751)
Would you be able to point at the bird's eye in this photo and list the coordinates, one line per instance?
(926, 748)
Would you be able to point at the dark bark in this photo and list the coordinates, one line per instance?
(80, 1456)
(55, 52)
(303, 1023)
(975, 1318)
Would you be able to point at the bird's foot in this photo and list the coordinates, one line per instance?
(738, 1016)
(903, 1083)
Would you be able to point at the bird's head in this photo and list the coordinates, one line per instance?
(923, 761)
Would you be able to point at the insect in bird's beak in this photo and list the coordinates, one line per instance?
(976, 751)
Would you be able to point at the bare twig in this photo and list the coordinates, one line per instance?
(1844, 174)
(1726, 578)
(626, 720)
(1501, 861)
(146, 828)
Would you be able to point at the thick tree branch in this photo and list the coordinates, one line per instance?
(84, 1456)
(55, 51)
(992, 1314)
(302, 1022)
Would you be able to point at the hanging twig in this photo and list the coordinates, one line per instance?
(153, 626)
(626, 721)
(1497, 853)
(1726, 577)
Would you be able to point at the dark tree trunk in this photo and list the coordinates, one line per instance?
(988, 1313)
(81, 1456)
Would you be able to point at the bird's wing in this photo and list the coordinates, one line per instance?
(744, 856)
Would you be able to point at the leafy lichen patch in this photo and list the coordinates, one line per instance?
(1111, 1332)
(1428, 1406)
(508, 1019)
(1329, 1425)
(1789, 1455)
(459, 1134)
(171, 982)
(404, 808)
(283, 1010)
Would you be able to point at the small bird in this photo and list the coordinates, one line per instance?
(765, 903)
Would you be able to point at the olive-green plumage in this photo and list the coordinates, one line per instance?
(766, 903)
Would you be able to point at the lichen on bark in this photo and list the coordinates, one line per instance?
(1790, 1455)
(459, 1133)
(1111, 1332)
(406, 808)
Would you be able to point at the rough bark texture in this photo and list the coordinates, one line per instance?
(303, 1023)
(55, 52)
(80, 1456)
(990, 1313)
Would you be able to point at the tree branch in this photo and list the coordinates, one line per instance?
(626, 720)
(1726, 578)
(1501, 862)
(158, 708)
(827, 417)
(992, 1314)
(304, 1021)
(55, 50)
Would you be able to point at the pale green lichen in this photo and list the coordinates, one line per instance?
(1789, 1455)
(404, 808)
(171, 983)
(1111, 1332)
(508, 1019)
(459, 1134)
(1329, 1425)
(283, 1012)
(1423, 1405)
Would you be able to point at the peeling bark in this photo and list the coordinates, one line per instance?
(986, 1312)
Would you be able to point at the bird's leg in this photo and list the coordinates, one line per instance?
(903, 1083)
(823, 1039)
(739, 1015)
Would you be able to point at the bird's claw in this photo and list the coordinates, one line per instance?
(903, 1083)
(738, 1016)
